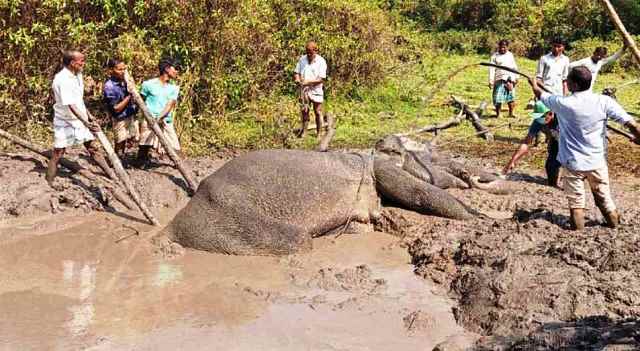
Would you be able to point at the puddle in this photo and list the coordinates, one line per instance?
(77, 289)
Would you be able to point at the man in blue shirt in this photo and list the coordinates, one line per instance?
(582, 118)
(120, 105)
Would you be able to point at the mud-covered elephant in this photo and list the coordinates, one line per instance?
(273, 202)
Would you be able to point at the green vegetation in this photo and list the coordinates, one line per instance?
(237, 56)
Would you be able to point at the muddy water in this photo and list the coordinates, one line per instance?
(68, 285)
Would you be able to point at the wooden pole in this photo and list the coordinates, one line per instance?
(151, 121)
(122, 174)
(331, 131)
(628, 39)
(72, 166)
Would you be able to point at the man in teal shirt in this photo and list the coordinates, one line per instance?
(160, 97)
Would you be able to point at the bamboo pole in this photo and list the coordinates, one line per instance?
(72, 166)
(151, 121)
(628, 39)
(122, 174)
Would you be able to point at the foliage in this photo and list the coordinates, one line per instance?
(231, 52)
(529, 24)
(237, 57)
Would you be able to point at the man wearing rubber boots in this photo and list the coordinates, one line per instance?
(582, 118)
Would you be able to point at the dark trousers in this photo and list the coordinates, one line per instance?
(552, 165)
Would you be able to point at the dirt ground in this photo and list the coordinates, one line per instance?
(80, 274)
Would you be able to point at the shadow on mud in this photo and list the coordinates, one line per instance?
(591, 333)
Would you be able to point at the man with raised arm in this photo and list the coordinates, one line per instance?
(582, 118)
(598, 60)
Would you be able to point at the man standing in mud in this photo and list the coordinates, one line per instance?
(120, 106)
(582, 118)
(68, 130)
(503, 83)
(160, 96)
(309, 74)
(553, 69)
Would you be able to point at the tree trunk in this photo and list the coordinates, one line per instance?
(151, 121)
(331, 131)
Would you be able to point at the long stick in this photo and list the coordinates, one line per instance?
(151, 121)
(613, 129)
(508, 69)
(72, 166)
(124, 177)
(623, 31)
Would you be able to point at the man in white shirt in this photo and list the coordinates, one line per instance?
(503, 83)
(310, 73)
(68, 130)
(597, 61)
(582, 118)
(553, 69)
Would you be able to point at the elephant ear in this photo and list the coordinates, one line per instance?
(400, 187)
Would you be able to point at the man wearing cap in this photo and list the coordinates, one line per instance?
(543, 121)
(68, 129)
(310, 73)
(503, 83)
(597, 61)
(553, 69)
(160, 96)
(582, 120)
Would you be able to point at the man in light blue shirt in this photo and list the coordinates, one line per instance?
(160, 96)
(582, 118)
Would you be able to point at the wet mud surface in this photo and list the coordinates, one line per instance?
(524, 280)
(86, 276)
(80, 273)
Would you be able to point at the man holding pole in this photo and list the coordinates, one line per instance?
(160, 96)
(68, 129)
(582, 118)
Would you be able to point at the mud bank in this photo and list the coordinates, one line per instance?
(528, 281)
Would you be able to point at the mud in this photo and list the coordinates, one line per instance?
(517, 279)
(80, 273)
(89, 278)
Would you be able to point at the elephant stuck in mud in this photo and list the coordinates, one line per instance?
(274, 202)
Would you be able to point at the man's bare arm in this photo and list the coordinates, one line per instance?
(635, 130)
(535, 87)
(167, 109)
(119, 107)
(93, 126)
(522, 150)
